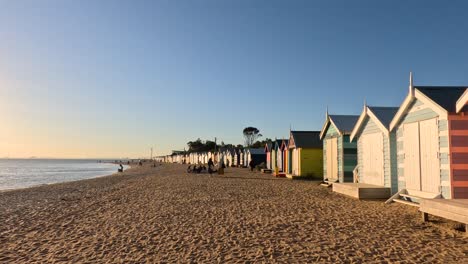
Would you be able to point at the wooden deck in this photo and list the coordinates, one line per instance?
(452, 209)
(362, 190)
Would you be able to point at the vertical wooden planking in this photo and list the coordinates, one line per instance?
(429, 145)
(324, 159)
(392, 159)
(366, 161)
(334, 162)
(329, 153)
(411, 156)
(372, 158)
(340, 158)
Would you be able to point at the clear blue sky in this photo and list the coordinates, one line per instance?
(113, 78)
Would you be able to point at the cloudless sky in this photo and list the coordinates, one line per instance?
(105, 79)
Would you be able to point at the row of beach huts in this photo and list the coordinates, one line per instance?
(231, 157)
(413, 154)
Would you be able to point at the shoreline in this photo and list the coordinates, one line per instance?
(126, 167)
(154, 214)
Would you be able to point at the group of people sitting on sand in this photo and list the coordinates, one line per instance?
(199, 169)
(196, 169)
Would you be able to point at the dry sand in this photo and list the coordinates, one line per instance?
(165, 215)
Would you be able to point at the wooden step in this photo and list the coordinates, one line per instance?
(405, 202)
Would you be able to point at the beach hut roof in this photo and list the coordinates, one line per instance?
(343, 123)
(446, 97)
(278, 143)
(255, 151)
(382, 116)
(177, 152)
(306, 139)
(284, 143)
(443, 99)
(222, 149)
(268, 146)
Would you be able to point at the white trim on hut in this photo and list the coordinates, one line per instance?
(462, 102)
(376, 148)
(423, 146)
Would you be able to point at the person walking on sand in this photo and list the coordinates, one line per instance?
(251, 165)
(210, 166)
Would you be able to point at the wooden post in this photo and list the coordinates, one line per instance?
(424, 216)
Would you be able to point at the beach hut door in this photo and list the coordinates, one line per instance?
(430, 164)
(422, 165)
(372, 156)
(332, 158)
(412, 169)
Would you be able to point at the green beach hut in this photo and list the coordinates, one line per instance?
(339, 154)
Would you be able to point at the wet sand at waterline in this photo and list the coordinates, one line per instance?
(165, 215)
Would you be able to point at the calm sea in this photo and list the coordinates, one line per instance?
(22, 173)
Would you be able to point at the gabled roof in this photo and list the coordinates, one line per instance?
(268, 146)
(343, 123)
(445, 96)
(381, 115)
(229, 151)
(384, 114)
(277, 143)
(284, 143)
(222, 149)
(443, 100)
(306, 139)
(255, 151)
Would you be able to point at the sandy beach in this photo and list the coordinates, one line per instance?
(163, 214)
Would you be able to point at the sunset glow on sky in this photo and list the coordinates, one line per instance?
(111, 79)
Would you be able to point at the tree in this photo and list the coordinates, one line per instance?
(201, 146)
(251, 134)
(195, 146)
(261, 144)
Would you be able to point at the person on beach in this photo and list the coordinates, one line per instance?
(121, 168)
(210, 166)
(251, 165)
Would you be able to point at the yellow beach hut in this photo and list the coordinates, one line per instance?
(304, 155)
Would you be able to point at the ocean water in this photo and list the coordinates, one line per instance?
(22, 173)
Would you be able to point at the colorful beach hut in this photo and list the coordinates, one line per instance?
(305, 154)
(267, 150)
(274, 155)
(376, 152)
(236, 158)
(282, 153)
(339, 154)
(432, 142)
(242, 158)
